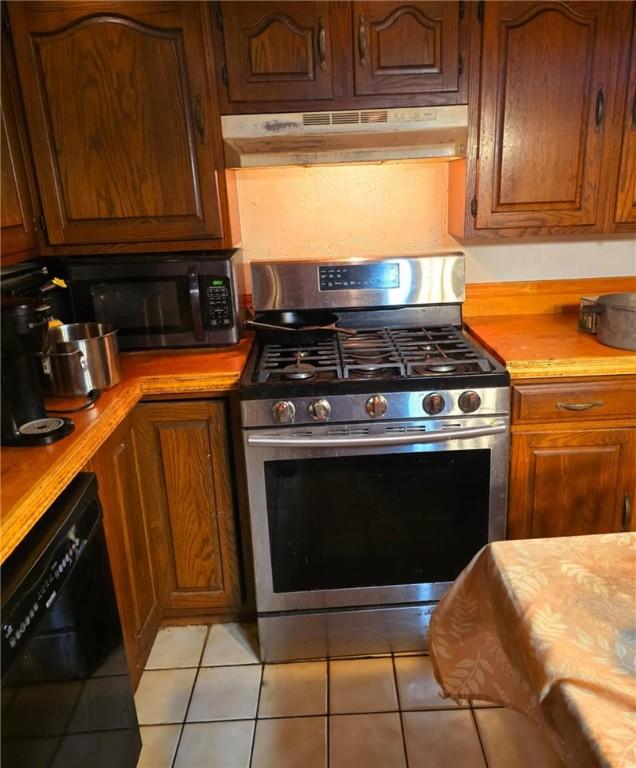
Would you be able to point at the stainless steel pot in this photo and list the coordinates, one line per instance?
(81, 357)
(612, 318)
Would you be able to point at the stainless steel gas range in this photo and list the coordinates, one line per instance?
(376, 460)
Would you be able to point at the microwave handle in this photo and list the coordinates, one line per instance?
(195, 304)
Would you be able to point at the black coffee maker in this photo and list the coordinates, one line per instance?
(24, 418)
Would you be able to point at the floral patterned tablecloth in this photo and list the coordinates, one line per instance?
(548, 627)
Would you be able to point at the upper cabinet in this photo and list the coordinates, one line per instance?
(406, 48)
(281, 51)
(626, 194)
(547, 119)
(287, 56)
(19, 240)
(122, 114)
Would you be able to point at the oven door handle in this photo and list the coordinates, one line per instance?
(442, 435)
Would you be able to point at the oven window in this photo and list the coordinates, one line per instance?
(143, 306)
(362, 521)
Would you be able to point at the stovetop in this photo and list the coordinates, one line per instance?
(395, 359)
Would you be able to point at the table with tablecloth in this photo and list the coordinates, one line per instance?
(548, 627)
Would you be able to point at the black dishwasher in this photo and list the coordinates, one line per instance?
(67, 699)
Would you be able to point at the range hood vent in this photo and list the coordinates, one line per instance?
(368, 135)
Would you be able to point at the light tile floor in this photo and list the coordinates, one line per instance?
(205, 701)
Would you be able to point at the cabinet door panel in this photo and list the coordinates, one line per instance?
(185, 464)
(16, 211)
(543, 113)
(571, 483)
(406, 48)
(118, 98)
(626, 199)
(278, 51)
(129, 546)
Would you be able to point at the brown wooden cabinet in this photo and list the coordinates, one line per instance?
(626, 194)
(129, 549)
(122, 112)
(17, 215)
(545, 120)
(573, 459)
(186, 477)
(406, 48)
(288, 56)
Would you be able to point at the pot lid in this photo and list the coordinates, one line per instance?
(618, 301)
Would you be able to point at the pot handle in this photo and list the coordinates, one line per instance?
(45, 355)
(588, 317)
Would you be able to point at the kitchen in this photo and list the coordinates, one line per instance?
(445, 163)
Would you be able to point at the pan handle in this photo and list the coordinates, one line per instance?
(268, 326)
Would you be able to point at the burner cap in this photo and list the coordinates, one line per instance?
(441, 367)
(299, 371)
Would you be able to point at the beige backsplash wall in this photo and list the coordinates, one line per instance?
(397, 208)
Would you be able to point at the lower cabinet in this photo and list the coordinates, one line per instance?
(573, 467)
(183, 452)
(127, 537)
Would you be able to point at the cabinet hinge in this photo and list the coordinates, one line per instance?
(473, 207)
(480, 11)
(42, 221)
(224, 74)
(461, 9)
(219, 17)
(460, 64)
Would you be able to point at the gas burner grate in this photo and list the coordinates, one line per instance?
(374, 353)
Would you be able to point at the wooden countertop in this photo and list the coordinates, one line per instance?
(549, 345)
(32, 478)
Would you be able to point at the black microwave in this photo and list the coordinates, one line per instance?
(160, 300)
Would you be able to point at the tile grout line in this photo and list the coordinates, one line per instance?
(399, 703)
(187, 709)
(255, 720)
(481, 743)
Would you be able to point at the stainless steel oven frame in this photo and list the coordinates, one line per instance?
(386, 437)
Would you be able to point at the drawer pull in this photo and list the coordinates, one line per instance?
(627, 512)
(579, 406)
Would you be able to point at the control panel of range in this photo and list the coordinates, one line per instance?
(394, 405)
(218, 302)
(359, 277)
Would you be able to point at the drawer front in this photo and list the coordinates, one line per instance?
(575, 401)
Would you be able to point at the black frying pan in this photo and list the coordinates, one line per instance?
(298, 327)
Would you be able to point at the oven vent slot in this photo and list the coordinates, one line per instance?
(397, 428)
(338, 432)
(451, 426)
(416, 429)
(359, 431)
(303, 433)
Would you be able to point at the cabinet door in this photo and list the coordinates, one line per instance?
(278, 51)
(571, 483)
(128, 543)
(121, 110)
(184, 457)
(16, 212)
(626, 198)
(548, 95)
(403, 48)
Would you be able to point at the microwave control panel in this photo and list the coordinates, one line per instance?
(217, 298)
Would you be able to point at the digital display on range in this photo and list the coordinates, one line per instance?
(359, 277)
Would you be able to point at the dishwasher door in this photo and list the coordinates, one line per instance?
(66, 694)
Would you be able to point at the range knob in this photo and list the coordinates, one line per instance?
(320, 410)
(284, 411)
(434, 403)
(469, 401)
(376, 406)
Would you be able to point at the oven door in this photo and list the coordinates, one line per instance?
(372, 514)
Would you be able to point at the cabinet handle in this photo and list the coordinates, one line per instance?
(198, 118)
(579, 406)
(600, 108)
(322, 44)
(362, 40)
(627, 512)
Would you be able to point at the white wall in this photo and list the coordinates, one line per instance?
(397, 208)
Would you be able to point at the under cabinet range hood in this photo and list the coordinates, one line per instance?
(353, 136)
